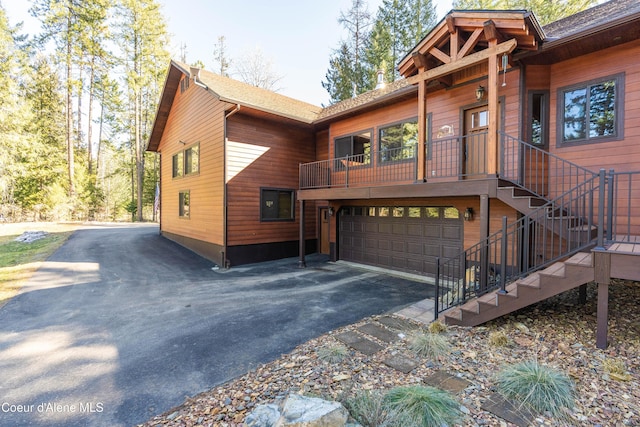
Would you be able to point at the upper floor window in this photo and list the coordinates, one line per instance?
(187, 161)
(398, 141)
(358, 147)
(592, 111)
(184, 84)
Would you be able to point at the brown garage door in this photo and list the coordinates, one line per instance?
(400, 237)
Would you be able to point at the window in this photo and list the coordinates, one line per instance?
(192, 159)
(538, 118)
(184, 201)
(178, 164)
(398, 142)
(184, 84)
(187, 161)
(276, 205)
(592, 111)
(451, 213)
(357, 147)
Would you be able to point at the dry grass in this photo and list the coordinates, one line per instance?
(18, 261)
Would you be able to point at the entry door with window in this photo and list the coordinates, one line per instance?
(476, 127)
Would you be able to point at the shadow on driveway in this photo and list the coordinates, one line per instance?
(121, 324)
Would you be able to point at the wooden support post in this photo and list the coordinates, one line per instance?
(582, 294)
(302, 263)
(422, 130)
(492, 96)
(602, 275)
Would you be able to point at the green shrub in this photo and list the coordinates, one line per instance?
(429, 345)
(332, 353)
(422, 406)
(540, 387)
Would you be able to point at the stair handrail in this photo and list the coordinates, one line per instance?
(479, 269)
(541, 166)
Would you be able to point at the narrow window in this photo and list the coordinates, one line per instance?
(184, 201)
(192, 160)
(276, 205)
(178, 164)
(539, 118)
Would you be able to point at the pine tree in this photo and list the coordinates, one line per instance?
(143, 37)
(347, 73)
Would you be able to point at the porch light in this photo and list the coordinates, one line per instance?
(468, 213)
(480, 91)
(330, 211)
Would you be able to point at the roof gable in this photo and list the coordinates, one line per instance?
(227, 90)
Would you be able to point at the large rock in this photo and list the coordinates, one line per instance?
(299, 411)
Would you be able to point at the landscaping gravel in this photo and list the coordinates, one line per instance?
(558, 332)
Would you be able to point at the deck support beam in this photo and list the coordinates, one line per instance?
(602, 275)
(302, 263)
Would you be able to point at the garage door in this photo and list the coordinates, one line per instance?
(401, 237)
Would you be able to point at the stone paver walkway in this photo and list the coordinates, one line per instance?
(387, 329)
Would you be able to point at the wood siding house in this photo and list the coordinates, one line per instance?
(229, 156)
(504, 165)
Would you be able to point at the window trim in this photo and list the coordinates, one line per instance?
(292, 218)
(618, 135)
(379, 141)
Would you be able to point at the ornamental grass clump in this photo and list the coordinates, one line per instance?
(437, 327)
(498, 339)
(332, 353)
(429, 345)
(423, 406)
(539, 387)
(368, 409)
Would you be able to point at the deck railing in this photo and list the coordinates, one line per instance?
(378, 167)
(560, 228)
(445, 159)
(540, 172)
(620, 222)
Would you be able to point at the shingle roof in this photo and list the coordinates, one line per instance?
(363, 99)
(593, 17)
(237, 92)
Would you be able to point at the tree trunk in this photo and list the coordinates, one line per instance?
(70, 156)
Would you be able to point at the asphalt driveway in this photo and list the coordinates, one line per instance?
(121, 324)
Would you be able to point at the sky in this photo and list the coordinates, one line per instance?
(297, 36)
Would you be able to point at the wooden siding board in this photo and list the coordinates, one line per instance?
(275, 153)
(195, 117)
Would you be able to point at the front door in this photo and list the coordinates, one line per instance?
(476, 127)
(324, 231)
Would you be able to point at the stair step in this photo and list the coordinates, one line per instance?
(584, 259)
(555, 270)
(532, 281)
(470, 307)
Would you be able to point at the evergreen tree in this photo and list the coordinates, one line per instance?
(143, 37)
(347, 73)
(14, 113)
(399, 26)
(544, 10)
(340, 75)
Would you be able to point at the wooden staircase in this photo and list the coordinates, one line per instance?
(555, 279)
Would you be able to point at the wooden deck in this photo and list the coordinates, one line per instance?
(629, 245)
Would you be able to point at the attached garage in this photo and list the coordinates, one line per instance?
(407, 238)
